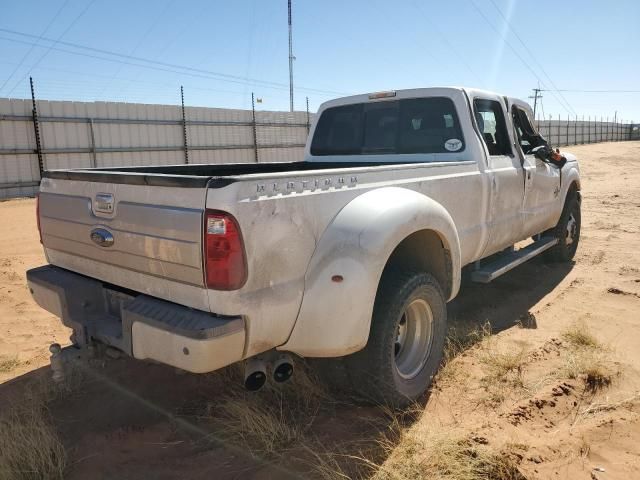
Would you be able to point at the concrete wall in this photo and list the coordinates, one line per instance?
(101, 134)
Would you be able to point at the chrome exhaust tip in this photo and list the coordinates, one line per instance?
(282, 369)
(255, 374)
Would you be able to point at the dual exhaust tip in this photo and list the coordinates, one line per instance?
(255, 373)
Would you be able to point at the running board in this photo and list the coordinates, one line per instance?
(508, 261)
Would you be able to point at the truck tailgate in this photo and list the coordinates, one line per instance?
(144, 238)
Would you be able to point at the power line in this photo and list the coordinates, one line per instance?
(444, 39)
(532, 55)
(75, 82)
(140, 41)
(599, 91)
(515, 52)
(33, 46)
(74, 21)
(158, 65)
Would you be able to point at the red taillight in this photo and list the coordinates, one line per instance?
(38, 215)
(225, 264)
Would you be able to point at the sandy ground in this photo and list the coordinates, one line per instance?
(26, 330)
(132, 420)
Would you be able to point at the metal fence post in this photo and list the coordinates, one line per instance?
(558, 130)
(308, 122)
(567, 129)
(36, 128)
(601, 129)
(92, 137)
(184, 128)
(582, 131)
(255, 132)
(575, 131)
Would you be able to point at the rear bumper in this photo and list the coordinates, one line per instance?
(138, 325)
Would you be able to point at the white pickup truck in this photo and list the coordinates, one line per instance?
(351, 254)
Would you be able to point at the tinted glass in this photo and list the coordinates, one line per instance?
(493, 127)
(416, 125)
(339, 131)
(380, 127)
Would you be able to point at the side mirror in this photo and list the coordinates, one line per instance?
(542, 152)
(546, 154)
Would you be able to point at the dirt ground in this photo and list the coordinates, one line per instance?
(513, 391)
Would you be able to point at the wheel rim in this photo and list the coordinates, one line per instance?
(572, 230)
(414, 334)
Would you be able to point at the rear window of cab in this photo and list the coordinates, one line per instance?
(412, 125)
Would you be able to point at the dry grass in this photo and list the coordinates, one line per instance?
(503, 370)
(442, 455)
(29, 445)
(578, 335)
(461, 337)
(8, 364)
(587, 359)
(504, 366)
(593, 367)
(269, 422)
(422, 450)
(276, 422)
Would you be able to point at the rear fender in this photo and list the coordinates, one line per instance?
(343, 275)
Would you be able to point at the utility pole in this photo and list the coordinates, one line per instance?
(536, 96)
(291, 59)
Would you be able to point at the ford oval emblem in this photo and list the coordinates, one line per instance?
(102, 237)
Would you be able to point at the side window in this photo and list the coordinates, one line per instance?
(493, 127)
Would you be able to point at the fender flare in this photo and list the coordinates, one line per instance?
(569, 177)
(335, 316)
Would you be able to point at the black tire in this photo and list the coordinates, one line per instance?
(567, 231)
(373, 371)
(333, 374)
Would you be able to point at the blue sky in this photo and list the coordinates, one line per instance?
(221, 51)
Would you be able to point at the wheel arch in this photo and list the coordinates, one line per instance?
(424, 250)
(379, 228)
(571, 180)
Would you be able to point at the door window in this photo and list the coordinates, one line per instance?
(493, 127)
(528, 138)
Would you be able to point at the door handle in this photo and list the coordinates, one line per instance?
(528, 175)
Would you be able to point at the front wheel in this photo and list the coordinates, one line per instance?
(567, 231)
(406, 340)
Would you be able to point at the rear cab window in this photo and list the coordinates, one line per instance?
(406, 126)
